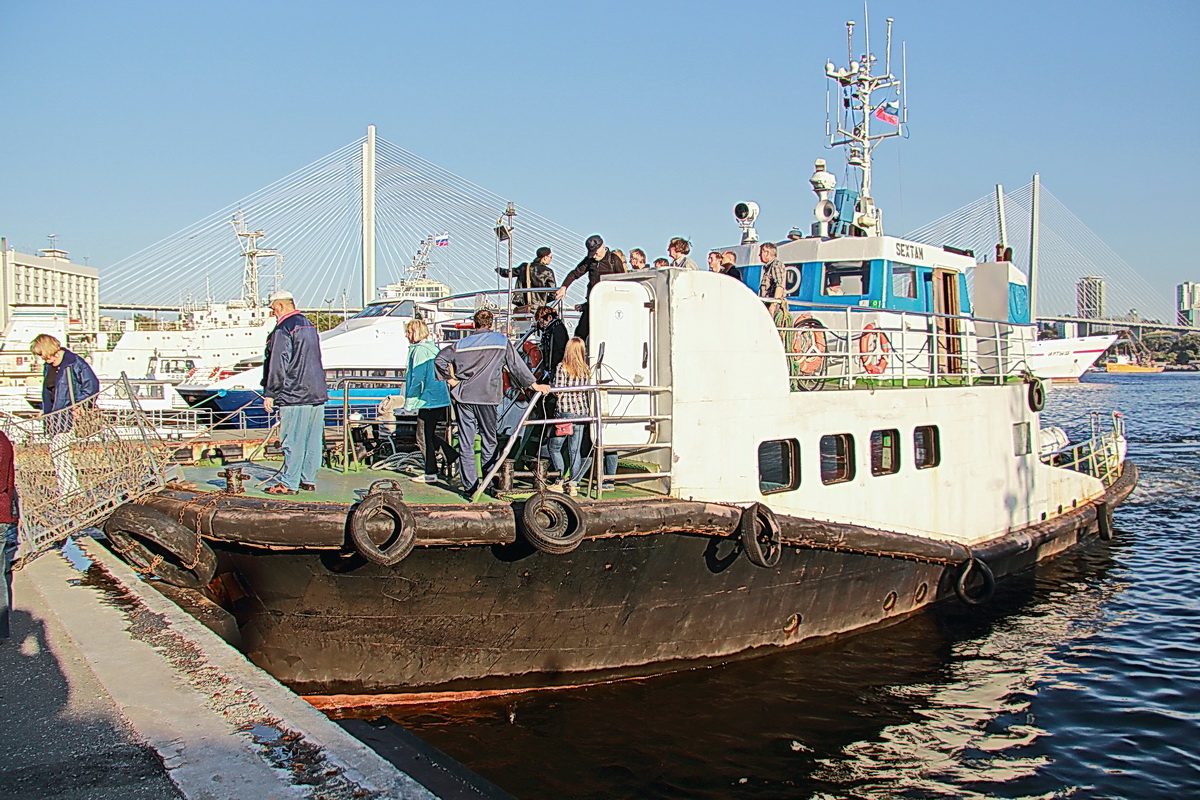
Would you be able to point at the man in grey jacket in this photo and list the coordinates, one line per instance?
(473, 367)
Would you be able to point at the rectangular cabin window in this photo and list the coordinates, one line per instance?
(778, 466)
(927, 449)
(837, 458)
(846, 277)
(885, 452)
(1021, 441)
(904, 281)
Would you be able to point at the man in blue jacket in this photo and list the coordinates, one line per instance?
(473, 368)
(294, 382)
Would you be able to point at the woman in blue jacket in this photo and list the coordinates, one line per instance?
(428, 396)
(66, 378)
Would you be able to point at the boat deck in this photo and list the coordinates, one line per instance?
(334, 486)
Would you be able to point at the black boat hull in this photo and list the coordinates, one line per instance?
(505, 616)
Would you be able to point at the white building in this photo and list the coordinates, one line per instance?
(49, 279)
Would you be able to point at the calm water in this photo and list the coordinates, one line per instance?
(1080, 679)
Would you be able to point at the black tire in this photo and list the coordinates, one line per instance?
(553, 523)
(154, 544)
(968, 568)
(399, 543)
(1037, 395)
(1104, 522)
(761, 538)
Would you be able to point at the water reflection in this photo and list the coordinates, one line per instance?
(1080, 679)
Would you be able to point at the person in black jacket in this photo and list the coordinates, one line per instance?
(534, 274)
(553, 342)
(599, 261)
(294, 381)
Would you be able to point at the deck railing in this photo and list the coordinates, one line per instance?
(1100, 455)
(848, 347)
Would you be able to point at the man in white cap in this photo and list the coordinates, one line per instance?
(294, 383)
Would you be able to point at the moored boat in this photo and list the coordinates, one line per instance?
(1067, 359)
(789, 472)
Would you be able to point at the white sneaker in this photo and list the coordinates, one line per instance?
(554, 487)
(425, 479)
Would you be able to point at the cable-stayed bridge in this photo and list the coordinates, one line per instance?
(1068, 253)
(364, 210)
(315, 222)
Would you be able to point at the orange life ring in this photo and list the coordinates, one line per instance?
(873, 347)
(811, 347)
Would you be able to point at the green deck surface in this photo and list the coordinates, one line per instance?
(335, 487)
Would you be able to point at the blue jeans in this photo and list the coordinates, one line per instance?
(572, 443)
(576, 466)
(302, 433)
(8, 554)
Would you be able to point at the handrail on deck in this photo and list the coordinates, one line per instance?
(596, 418)
(950, 356)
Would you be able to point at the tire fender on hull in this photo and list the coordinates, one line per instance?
(961, 585)
(399, 543)
(553, 524)
(760, 535)
(154, 544)
(1104, 521)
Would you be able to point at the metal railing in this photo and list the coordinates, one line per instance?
(597, 419)
(837, 347)
(77, 464)
(1099, 456)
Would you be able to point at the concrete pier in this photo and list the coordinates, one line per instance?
(109, 689)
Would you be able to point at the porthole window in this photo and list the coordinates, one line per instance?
(927, 448)
(778, 466)
(837, 458)
(885, 452)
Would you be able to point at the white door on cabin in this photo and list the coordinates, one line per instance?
(622, 338)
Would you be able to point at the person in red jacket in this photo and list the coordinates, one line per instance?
(8, 524)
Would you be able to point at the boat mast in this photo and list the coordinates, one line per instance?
(1033, 248)
(1000, 219)
(251, 252)
(368, 217)
(854, 119)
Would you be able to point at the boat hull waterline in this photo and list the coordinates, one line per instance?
(652, 587)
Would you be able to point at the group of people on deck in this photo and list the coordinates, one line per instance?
(468, 374)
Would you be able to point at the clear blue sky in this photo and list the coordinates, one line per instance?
(126, 121)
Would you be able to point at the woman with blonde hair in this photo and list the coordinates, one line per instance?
(428, 396)
(66, 381)
(573, 371)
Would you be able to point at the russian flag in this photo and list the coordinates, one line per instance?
(884, 115)
(442, 241)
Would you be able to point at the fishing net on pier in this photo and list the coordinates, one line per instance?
(75, 465)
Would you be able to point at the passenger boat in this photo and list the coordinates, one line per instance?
(785, 478)
(1065, 360)
(365, 356)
